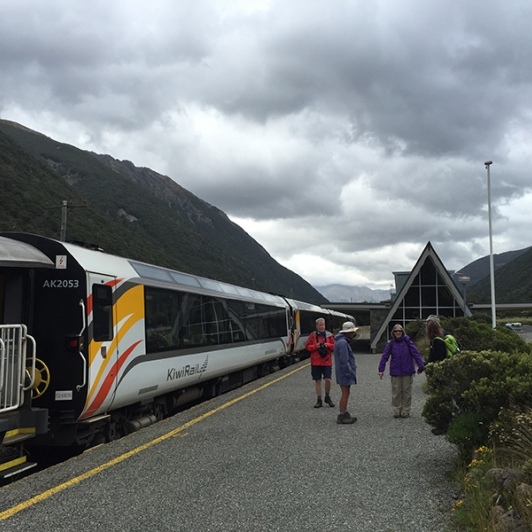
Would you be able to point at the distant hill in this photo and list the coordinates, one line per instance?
(513, 281)
(338, 293)
(130, 211)
(480, 268)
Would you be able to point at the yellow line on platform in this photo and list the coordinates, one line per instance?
(6, 514)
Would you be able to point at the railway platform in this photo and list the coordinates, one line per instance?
(259, 458)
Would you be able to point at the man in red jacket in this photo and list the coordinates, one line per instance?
(320, 345)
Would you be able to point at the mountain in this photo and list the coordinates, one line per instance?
(138, 213)
(130, 211)
(338, 293)
(480, 268)
(513, 281)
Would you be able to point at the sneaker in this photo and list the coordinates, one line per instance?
(318, 404)
(345, 419)
(405, 415)
(396, 416)
(328, 400)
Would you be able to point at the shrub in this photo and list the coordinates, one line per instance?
(468, 431)
(468, 391)
(482, 397)
(478, 335)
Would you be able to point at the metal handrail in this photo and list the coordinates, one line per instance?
(2, 362)
(33, 359)
(83, 317)
(12, 366)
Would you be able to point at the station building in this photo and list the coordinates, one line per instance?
(428, 289)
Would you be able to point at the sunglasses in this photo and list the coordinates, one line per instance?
(398, 331)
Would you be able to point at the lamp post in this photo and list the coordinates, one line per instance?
(463, 280)
(492, 274)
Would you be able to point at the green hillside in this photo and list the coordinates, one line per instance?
(480, 268)
(513, 282)
(32, 196)
(130, 211)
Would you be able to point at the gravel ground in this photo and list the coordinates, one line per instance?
(266, 462)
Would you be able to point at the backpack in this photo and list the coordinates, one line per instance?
(453, 347)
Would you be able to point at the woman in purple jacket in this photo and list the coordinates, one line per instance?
(403, 353)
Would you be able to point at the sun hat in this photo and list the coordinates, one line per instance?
(348, 327)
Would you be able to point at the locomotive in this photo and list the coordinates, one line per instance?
(95, 346)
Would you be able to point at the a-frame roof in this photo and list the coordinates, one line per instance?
(428, 254)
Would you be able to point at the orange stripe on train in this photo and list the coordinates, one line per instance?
(108, 382)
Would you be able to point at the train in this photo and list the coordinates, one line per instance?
(95, 346)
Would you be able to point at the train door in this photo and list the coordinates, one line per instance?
(294, 330)
(18, 261)
(103, 349)
(12, 296)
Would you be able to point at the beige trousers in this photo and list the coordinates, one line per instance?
(402, 394)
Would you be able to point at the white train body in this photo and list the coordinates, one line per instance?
(121, 343)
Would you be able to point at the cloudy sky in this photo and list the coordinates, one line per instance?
(342, 135)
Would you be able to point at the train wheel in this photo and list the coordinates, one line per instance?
(115, 429)
(41, 378)
(159, 410)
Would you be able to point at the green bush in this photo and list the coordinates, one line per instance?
(479, 335)
(468, 431)
(467, 392)
(474, 334)
(482, 397)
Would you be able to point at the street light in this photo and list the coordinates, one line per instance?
(463, 280)
(492, 274)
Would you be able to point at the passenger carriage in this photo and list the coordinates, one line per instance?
(116, 344)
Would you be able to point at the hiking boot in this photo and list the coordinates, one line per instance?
(345, 419)
(350, 416)
(318, 404)
(328, 400)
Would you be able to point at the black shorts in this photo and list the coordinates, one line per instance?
(318, 372)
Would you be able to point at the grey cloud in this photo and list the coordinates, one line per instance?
(364, 122)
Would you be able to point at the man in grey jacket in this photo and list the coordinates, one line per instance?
(346, 370)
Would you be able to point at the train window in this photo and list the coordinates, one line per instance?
(308, 320)
(183, 278)
(151, 272)
(228, 331)
(229, 289)
(194, 321)
(259, 321)
(210, 284)
(161, 312)
(102, 312)
(209, 321)
(244, 291)
(179, 320)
